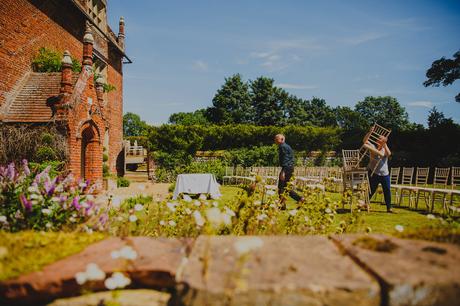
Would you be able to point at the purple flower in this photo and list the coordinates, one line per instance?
(75, 203)
(103, 219)
(25, 166)
(26, 203)
(11, 172)
(49, 188)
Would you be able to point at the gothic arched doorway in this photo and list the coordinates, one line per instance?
(91, 153)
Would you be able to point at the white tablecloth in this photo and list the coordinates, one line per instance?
(197, 183)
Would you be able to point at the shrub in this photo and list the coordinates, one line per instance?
(35, 200)
(49, 60)
(45, 154)
(215, 167)
(47, 139)
(105, 157)
(55, 167)
(105, 170)
(122, 182)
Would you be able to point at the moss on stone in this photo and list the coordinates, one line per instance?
(373, 244)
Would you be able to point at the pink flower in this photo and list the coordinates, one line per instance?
(75, 203)
(25, 166)
(26, 203)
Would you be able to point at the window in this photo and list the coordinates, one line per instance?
(98, 12)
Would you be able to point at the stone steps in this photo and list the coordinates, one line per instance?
(264, 270)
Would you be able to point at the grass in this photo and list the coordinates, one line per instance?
(29, 251)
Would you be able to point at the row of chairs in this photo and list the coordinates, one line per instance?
(440, 180)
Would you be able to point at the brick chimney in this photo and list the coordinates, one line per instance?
(66, 72)
(88, 42)
(121, 33)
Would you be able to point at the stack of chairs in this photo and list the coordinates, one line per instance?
(355, 176)
(377, 131)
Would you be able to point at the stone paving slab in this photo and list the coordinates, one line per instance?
(288, 270)
(155, 266)
(412, 272)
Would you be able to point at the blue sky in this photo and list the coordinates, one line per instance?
(341, 51)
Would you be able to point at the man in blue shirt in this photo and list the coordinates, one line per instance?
(287, 162)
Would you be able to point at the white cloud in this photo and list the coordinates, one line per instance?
(200, 65)
(427, 104)
(296, 86)
(362, 38)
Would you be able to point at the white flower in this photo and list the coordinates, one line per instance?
(55, 199)
(34, 196)
(214, 216)
(93, 272)
(227, 219)
(128, 252)
(262, 217)
(430, 216)
(215, 203)
(198, 218)
(399, 228)
(82, 185)
(293, 212)
(172, 223)
(48, 225)
(3, 219)
(247, 244)
(89, 231)
(117, 280)
(32, 189)
(270, 192)
(162, 222)
(328, 210)
(187, 198)
(132, 218)
(188, 211)
(258, 202)
(120, 218)
(197, 203)
(229, 212)
(171, 206)
(203, 197)
(72, 219)
(80, 277)
(110, 283)
(138, 207)
(307, 219)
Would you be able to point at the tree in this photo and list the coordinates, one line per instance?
(348, 119)
(385, 111)
(197, 117)
(133, 125)
(444, 71)
(232, 103)
(437, 119)
(268, 102)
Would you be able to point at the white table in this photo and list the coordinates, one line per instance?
(197, 183)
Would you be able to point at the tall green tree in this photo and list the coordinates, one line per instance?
(232, 103)
(437, 119)
(133, 125)
(385, 111)
(268, 102)
(444, 71)
(197, 117)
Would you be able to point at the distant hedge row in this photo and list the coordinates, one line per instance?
(192, 138)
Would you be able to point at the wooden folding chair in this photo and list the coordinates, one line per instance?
(406, 183)
(421, 180)
(439, 192)
(377, 132)
(354, 176)
(454, 203)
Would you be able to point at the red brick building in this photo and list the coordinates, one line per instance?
(90, 117)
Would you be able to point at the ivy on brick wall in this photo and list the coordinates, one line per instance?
(48, 60)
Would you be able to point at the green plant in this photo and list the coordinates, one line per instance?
(47, 139)
(45, 154)
(105, 170)
(109, 87)
(105, 157)
(49, 60)
(122, 182)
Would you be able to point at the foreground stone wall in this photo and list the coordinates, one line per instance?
(270, 270)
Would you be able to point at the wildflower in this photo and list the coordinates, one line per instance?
(120, 218)
(306, 219)
(138, 207)
(2, 219)
(197, 203)
(203, 197)
(430, 216)
(33, 188)
(198, 218)
(229, 212)
(172, 223)
(80, 277)
(162, 222)
(215, 203)
(187, 198)
(214, 216)
(262, 217)
(188, 211)
(399, 228)
(247, 244)
(171, 206)
(25, 167)
(75, 203)
(293, 212)
(328, 210)
(117, 280)
(126, 252)
(116, 202)
(93, 272)
(72, 219)
(270, 192)
(227, 219)
(48, 225)
(132, 218)
(257, 202)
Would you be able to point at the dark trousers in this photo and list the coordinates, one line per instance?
(375, 180)
(288, 171)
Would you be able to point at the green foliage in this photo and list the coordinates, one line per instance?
(49, 60)
(444, 71)
(47, 139)
(55, 167)
(123, 182)
(105, 157)
(253, 156)
(267, 102)
(45, 154)
(133, 125)
(108, 87)
(105, 170)
(169, 174)
(385, 111)
(29, 251)
(197, 117)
